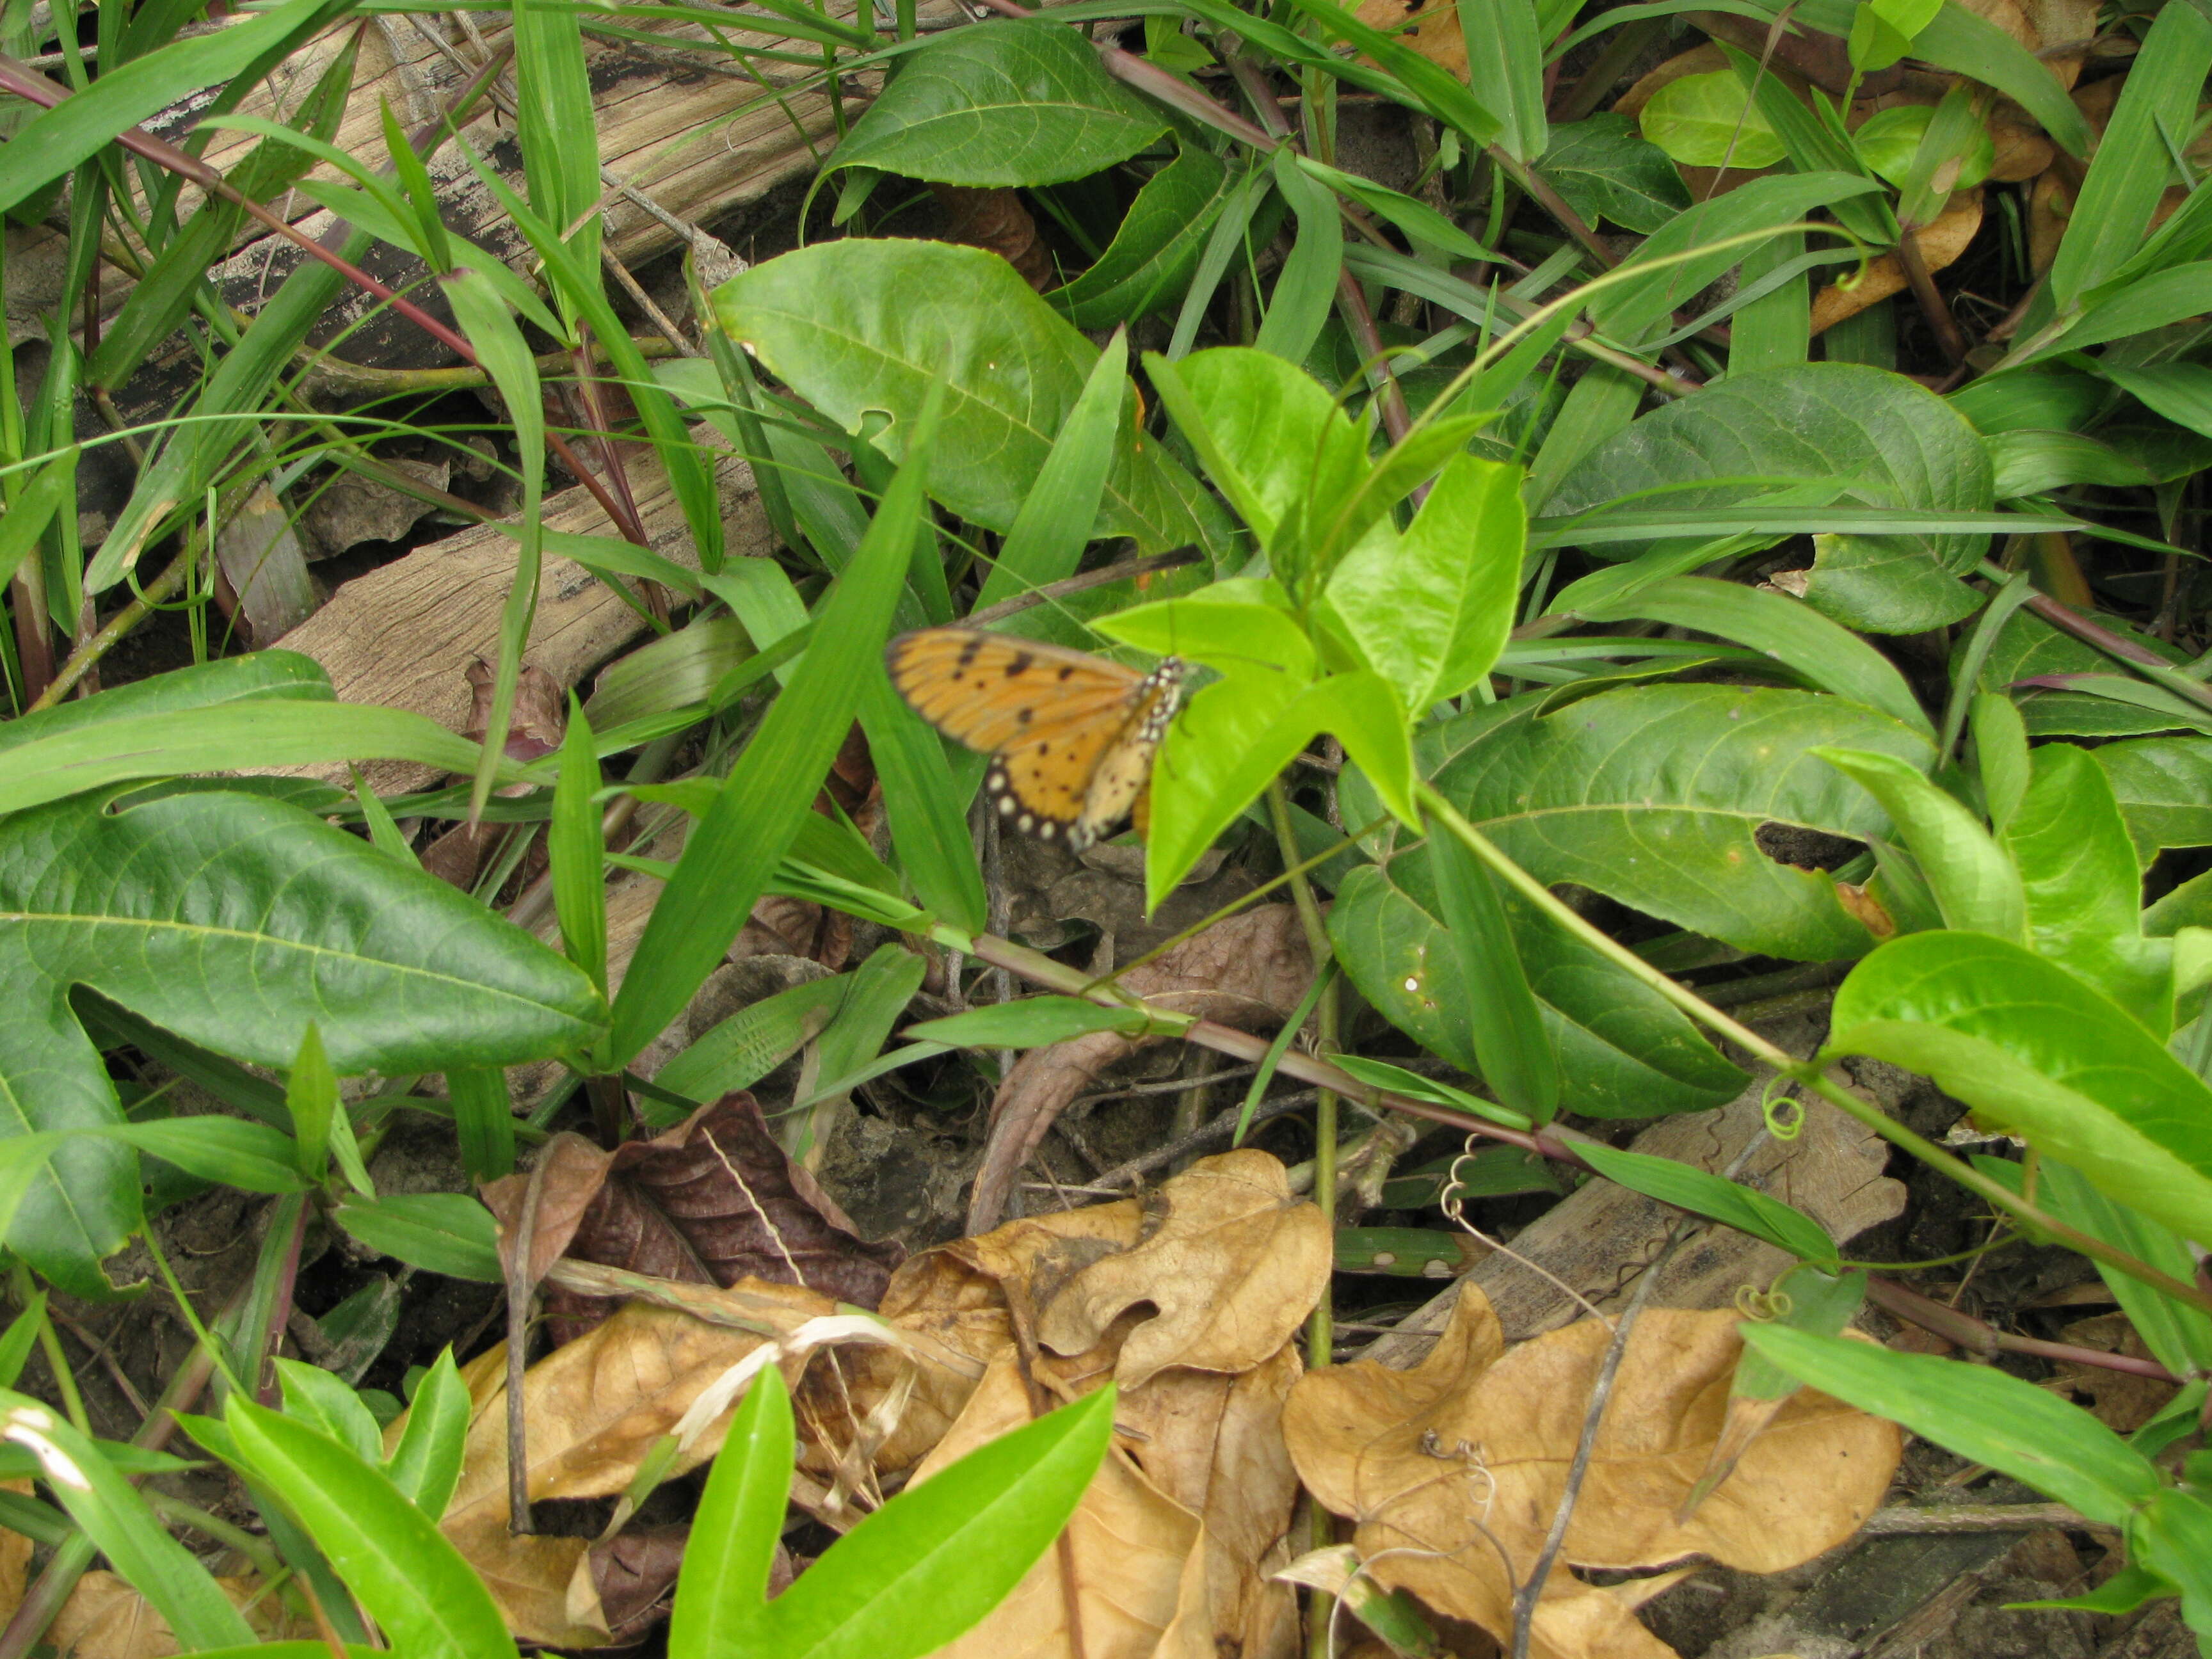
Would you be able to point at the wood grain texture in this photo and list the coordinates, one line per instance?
(405, 634)
(1599, 1237)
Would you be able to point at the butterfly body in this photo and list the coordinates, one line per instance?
(1070, 736)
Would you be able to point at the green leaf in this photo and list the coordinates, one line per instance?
(927, 805)
(233, 1151)
(1830, 656)
(1703, 1193)
(447, 1233)
(324, 1402)
(2179, 1336)
(739, 1052)
(1382, 1074)
(51, 142)
(483, 1119)
(1053, 527)
(2133, 161)
(576, 852)
(757, 812)
(1505, 72)
(1275, 442)
(228, 736)
(722, 1591)
(930, 1564)
(1975, 884)
(1010, 101)
(1710, 121)
(100, 1500)
(1643, 793)
(1305, 289)
(1624, 1051)
(2164, 789)
(233, 922)
(1604, 170)
(1511, 1046)
(1630, 311)
(310, 1091)
(858, 325)
(2083, 886)
(2034, 1049)
(1431, 608)
(1216, 626)
(33, 510)
(426, 1465)
(1028, 1022)
(1892, 444)
(414, 1584)
(1978, 1411)
(1148, 264)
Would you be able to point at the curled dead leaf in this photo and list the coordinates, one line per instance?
(1940, 245)
(1453, 1470)
(1249, 971)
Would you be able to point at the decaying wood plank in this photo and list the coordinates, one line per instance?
(1597, 1237)
(403, 634)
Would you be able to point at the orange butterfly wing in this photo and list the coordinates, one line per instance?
(1070, 736)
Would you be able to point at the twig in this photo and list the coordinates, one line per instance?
(1907, 1518)
(1127, 570)
(1525, 1598)
(135, 610)
(1933, 305)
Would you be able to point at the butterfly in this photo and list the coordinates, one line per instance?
(1071, 736)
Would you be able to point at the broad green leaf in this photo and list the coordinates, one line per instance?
(102, 1501)
(1710, 121)
(2172, 1537)
(426, 1464)
(1431, 608)
(1703, 1193)
(2136, 307)
(1239, 732)
(2164, 789)
(1271, 439)
(858, 325)
(2030, 463)
(1643, 793)
(1894, 444)
(413, 1583)
(1976, 886)
(234, 921)
(448, 1233)
(934, 1560)
(1624, 1051)
(1604, 171)
(1148, 263)
(757, 813)
(2083, 886)
(1028, 1022)
(1214, 627)
(311, 1093)
(47, 146)
(1830, 656)
(1887, 141)
(1012, 101)
(2035, 1050)
(1977, 1411)
(2180, 391)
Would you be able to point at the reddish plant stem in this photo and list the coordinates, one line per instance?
(1979, 1336)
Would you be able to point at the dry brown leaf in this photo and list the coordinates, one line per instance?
(1139, 1558)
(1940, 245)
(1447, 1466)
(593, 1409)
(713, 1201)
(1231, 1260)
(2121, 1400)
(1249, 971)
(105, 1618)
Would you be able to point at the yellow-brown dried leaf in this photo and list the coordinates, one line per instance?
(1474, 1435)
